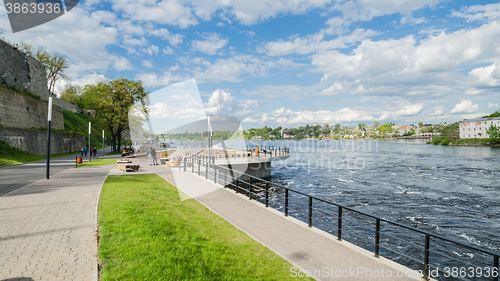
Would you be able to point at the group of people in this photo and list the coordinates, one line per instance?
(92, 150)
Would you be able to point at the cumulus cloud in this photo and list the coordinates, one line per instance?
(173, 39)
(489, 12)
(147, 64)
(223, 103)
(210, 44)
(492, 105)
(410, 110)
(465, 106)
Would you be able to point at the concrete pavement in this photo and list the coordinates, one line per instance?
(49, 227)
(14, 177)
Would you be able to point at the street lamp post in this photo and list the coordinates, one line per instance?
(49, 118)
(102, 143)
(90, 153)
(70, 143)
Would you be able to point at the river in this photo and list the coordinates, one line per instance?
(452, 191)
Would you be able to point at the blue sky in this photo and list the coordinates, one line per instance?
(291, 62)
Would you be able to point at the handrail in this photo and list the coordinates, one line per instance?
(428, 235)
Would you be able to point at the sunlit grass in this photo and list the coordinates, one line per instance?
(148, 233)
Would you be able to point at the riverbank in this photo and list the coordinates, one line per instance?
(462, 142)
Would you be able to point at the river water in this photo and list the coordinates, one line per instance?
(453, 191)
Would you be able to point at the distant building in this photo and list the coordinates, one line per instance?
(476, 128)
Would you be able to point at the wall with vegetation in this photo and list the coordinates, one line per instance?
(21, 111)
(35, 142)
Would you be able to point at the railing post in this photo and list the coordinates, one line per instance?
(339, 224)
(250, 190)
(192, 164)
(286, 202)
(206, 170)
(267, 194)
(426, 256)
(225, 178)
(185, 163)
(76, 161)
(377, 237)
(215, 174)
(310, 210)
(495, 266)
(236, 185)
(199, 166)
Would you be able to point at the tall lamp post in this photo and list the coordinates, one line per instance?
(90, 154)
(49, 118)
(102, 143)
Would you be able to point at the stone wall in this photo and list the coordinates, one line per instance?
(14, 68)
(38, 80)
(35, 142)
(20, 111)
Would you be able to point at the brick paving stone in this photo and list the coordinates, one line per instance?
(49, 227)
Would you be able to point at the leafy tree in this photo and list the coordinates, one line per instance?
(55, 65)
(494, 114)
(376, 124)
(112, 101)
(420, 124)
(494, 133)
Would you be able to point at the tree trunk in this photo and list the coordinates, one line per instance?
(119, 141)
(113, 140)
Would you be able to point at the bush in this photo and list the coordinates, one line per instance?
(494, 133)
(436, 141)
(445, 141)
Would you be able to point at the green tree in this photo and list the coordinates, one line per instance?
(55, 65)
(420, 124)
(112, 101)
(71, 93)
(494, 114)
(376, 124)
(494, 133)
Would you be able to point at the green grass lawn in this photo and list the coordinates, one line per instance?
(98, 162)
(11, 156)
(147, 233)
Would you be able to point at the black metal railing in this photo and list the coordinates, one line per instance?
(247, 184)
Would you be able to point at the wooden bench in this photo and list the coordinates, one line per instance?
(129, 168)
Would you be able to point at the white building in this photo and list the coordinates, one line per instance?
(476, 128)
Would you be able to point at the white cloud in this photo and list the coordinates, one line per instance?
(489, 12)
(88, 79)
(122, 63)
(210, 45)
(492, 105)
(410, 110)
(168, 51)
(438, 110)
(465, 106)
(314, 43)
(173, 39)
(159, 110)
(223, 103)
(152, 50)
(154, 80)
(290, 117)
(147, 64)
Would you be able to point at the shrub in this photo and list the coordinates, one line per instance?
(436, 141)
(445, 141)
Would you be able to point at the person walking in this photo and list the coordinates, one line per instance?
(150, 156)
(85, 150)
(81, 151)
(95, 151)
(153, 154)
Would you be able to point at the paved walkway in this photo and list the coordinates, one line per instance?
(49, 227)
(14, 177)
(309, 249)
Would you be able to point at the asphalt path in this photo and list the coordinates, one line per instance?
(14, 177)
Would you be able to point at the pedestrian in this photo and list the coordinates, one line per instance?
(95, 151)
(153, 154)
(81, 151)
(150, 156)
(85, 150)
